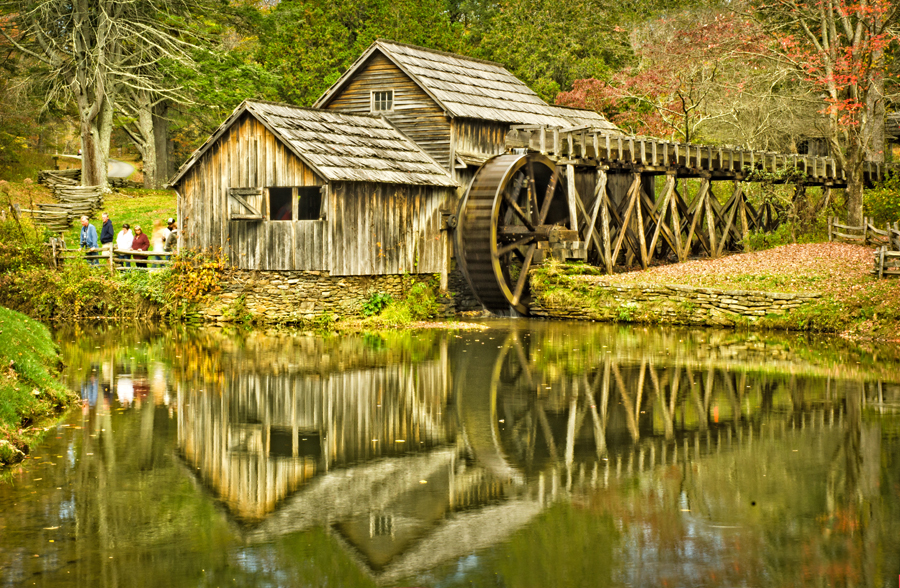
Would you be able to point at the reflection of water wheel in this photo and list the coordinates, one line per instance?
(499, 413)
(514, 202)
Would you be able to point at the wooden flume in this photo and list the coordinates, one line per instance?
(603, 187)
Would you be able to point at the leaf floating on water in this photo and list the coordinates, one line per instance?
(50, 528)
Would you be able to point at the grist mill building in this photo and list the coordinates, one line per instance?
(328, 205)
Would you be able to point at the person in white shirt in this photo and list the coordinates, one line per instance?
(124, 240)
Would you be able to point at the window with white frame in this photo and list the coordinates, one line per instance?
(382, 100)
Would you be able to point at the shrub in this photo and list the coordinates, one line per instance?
(194, 275)
(376, 303)
(21, 246)
(883, 202)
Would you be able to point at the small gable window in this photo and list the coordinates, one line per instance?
(382, 100)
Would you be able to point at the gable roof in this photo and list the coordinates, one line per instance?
(471, 88)
(337, 146)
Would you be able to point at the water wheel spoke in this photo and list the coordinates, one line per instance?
(548, 199)
(514, 206)
(523, 274)
(532, 188)
(514, 245)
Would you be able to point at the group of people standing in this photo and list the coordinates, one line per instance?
(163, 238)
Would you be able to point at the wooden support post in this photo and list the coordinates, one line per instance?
(571, 193)
(745, 230)
(590, 235)
(710, 222)
(830, 228)
(604, 222)
(698, 206)
(642, 236)
(734, 200)
(544, 140)
(633, 196)
(676, 221)
(667, 193)
(599, 200)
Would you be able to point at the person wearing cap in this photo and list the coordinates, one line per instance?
(124, 240)
(89, 240)
(172, 238)
(141, 243)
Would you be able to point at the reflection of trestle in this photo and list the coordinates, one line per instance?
(644, 457)
(620, 403)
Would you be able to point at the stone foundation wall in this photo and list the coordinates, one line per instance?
(670, 304)
(298, 296)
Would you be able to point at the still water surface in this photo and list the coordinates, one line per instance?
(531, 454)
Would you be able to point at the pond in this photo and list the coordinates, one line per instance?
(531, 454)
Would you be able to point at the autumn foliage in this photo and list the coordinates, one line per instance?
(689, 67)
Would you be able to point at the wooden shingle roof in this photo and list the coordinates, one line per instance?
(339, 147)
(471, 88)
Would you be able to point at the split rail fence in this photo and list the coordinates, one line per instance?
(886, 242)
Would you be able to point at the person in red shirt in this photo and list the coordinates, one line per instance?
(141, 243)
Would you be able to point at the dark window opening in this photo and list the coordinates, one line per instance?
(280, 205)
(309, 203)
(383, 100)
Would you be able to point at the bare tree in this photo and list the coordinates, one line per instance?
(839, 47)
(94, 51)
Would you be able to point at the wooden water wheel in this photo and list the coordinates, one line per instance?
(515, 202)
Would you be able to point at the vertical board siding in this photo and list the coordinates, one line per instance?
(386, 228)
(479, 137)
(414, 112)
(249, 156)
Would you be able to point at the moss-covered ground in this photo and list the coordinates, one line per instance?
(30, 393)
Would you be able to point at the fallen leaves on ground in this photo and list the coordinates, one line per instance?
(814, 267)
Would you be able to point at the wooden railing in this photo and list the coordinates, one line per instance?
(114, 259)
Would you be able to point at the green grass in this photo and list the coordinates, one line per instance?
(29, 389)
(132, 206)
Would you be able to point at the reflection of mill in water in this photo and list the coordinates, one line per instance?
(413, 464)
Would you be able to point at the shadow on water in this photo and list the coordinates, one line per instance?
(527, 454)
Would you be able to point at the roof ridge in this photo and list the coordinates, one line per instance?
(249, 101)
(440, 52)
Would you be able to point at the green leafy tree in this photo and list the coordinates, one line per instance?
(308, 44)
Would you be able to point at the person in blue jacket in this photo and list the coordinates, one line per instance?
(89, 240)
(107, 233)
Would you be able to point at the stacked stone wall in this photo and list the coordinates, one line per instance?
(300, 296)
(670, 304)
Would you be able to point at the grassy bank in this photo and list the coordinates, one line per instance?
(30, 393)
(852, 303)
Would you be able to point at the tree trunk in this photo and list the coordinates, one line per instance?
(104, 132)
(161, 140)
(90, 143)
(855, 185)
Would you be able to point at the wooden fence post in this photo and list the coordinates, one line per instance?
(881, 262)
(830, 228)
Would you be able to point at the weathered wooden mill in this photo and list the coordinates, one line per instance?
(427, 163)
